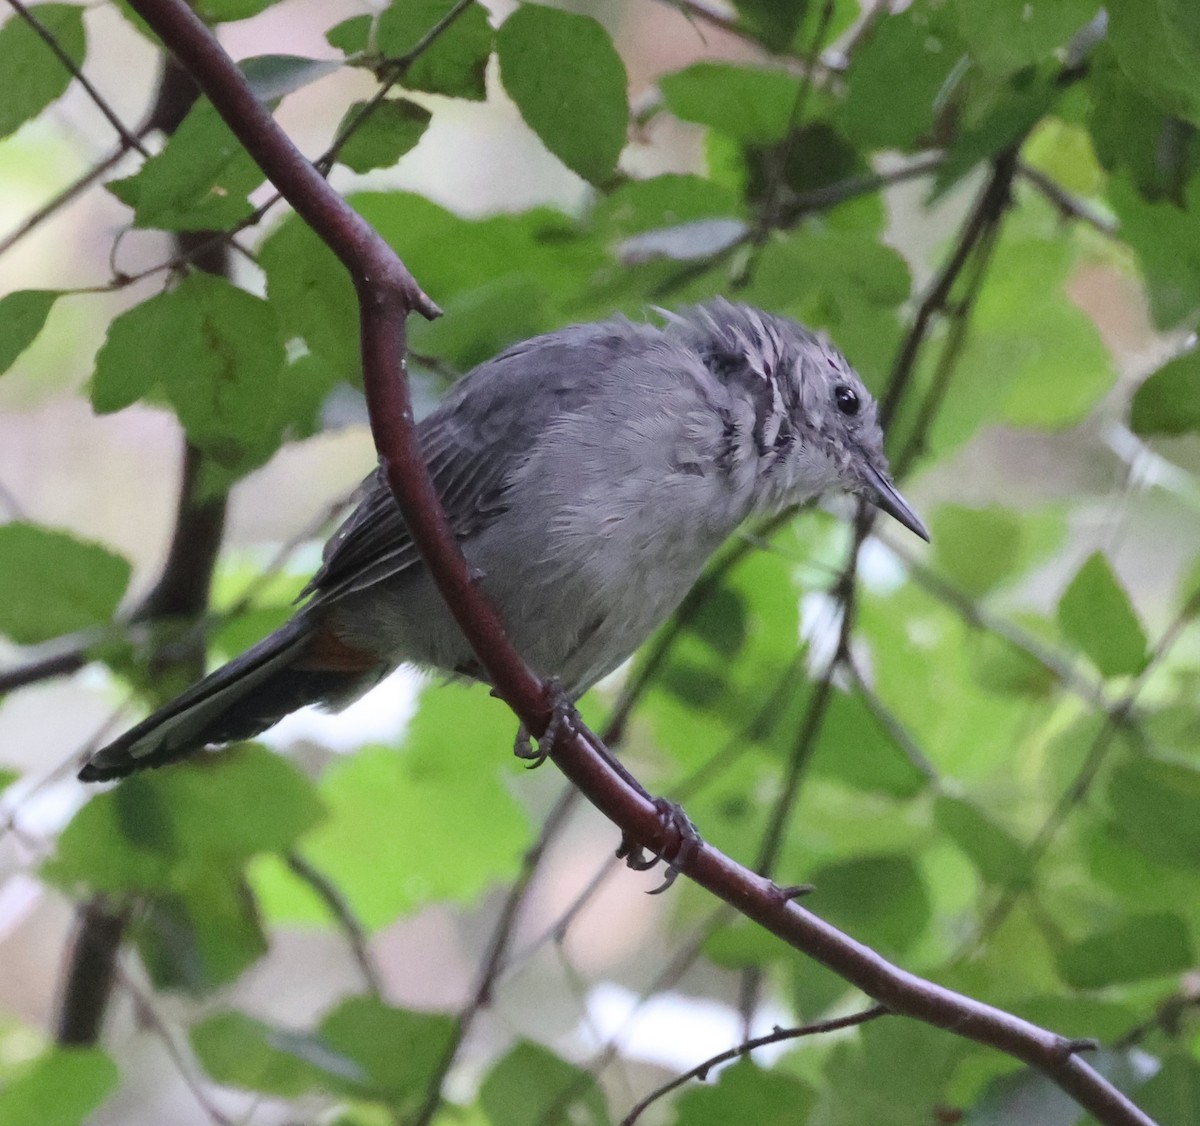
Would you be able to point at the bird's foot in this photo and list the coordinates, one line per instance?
(562, 714)
(671, 816)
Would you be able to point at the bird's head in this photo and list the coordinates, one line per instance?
(815, 425)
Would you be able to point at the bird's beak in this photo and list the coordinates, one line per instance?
(882, 493)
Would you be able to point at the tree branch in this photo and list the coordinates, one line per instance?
(88, 984)
(182, 591)
(386, 293)
(335, 902)
(779, 1036)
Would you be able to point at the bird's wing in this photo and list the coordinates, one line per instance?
(473, 442)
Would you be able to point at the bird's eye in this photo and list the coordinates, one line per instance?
(846, 399)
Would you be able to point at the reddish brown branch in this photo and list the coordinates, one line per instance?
(386, 293)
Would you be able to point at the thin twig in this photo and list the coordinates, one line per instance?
(395, 69)
(1116, 720)
(147, 1013)
(830, 195)
(779, 156)
(65, 196)
(778, 1036)
(335, 902)
(128, 139)
(665, 979)
(498, 946)
(947, 362)
(1063, 671)
(989, 205)
(803, 745)
(1069, 206)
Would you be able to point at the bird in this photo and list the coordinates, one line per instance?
(588, 475)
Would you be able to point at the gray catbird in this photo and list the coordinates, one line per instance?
(589, 474)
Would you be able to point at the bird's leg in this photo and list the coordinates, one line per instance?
(670, 814)
(562, 713)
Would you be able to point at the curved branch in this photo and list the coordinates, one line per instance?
(778, 1036)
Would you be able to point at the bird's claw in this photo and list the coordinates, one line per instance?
(562, 714)
(671, 817)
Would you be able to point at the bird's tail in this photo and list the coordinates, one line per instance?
(300, 663)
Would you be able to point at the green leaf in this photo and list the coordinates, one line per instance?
(854, 748)
(54, 583)
(431, 821)
(569, 83)
(33, 76)
(158, 829)
(22, 315)
(205, 936)
(272, 77)
(128, 365)
(455, 63)
(1095, 613)
(1005, 35)
(240, 1051)
(662, 202)
(391, 129)
(977, 547)
(1131, 132)
(223, 381)
(702, 696)
(1172, 1094)
(1166, 238)
(227, 11)
(1065, 151)
(531, 1084)
(995, 117)
(60, 1088)
(995, 853)
(892, 1071)
(536, 254)
(881, 900)
(1032, 356)
(351, 36)
(750, 104)
(1138, 948)
(898, 78)
(746, 1092)
(399, 1050)
(1027, 1096)
(1169, 400)
(721, 622)
(199, 181)
(774, 22)
(1153, 804)
(816, 156)
(1158, 46)
(1003, 667)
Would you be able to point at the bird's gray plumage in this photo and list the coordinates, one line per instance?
(588, 474)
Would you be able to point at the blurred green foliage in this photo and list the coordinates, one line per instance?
(1001, 792)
